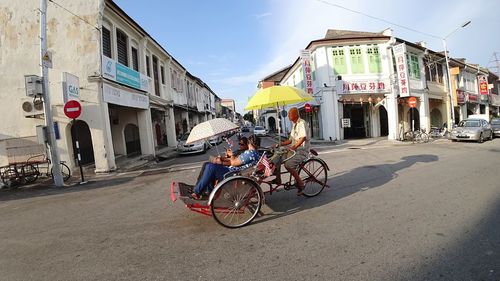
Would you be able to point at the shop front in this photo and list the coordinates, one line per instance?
(363, 110)
(364, 116)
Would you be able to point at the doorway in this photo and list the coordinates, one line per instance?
(272, 124)
(384, 121)
(356, 113)
(132, 140)
(413, 119)
(80, 131)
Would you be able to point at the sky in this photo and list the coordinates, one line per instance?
(232, 44)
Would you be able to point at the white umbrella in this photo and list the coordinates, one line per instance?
(210, 128)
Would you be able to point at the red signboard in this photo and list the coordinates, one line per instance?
(412, 102)
(307, 107)
(72, 109)
(483, 85)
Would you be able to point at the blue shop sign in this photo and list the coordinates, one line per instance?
(128, 76)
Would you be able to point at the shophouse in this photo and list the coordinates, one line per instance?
(129, 102)
(362, 83)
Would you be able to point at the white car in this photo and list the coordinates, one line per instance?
(259, 131)
(195, 147)
(215, 140)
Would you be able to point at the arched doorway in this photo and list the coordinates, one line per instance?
(384, 121)
(436, 118)
(414, 118)
(80, 131)
(132, 139)
(272, 124)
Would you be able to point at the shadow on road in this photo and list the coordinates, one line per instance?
(48, 189)
(343, 185)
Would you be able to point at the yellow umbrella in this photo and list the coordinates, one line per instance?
(277, 96)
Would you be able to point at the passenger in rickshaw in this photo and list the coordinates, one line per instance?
(242, 146)
(219, 166)
(299, 142)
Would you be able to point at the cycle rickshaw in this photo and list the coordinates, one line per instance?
(237, 199)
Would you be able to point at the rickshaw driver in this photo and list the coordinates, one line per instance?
(299, 142)
(218, 167)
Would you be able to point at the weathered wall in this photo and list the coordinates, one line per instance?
(75, 49)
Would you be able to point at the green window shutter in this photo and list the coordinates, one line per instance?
(375, 64)
(415, 67)
(339, 64)
(357, 65)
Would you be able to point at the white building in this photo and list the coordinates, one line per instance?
(129, 101)
(361, 86)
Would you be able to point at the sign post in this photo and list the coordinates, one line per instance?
(73, 109)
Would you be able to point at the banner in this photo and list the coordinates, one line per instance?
(402, 69)
(305, 56)
(122, 74)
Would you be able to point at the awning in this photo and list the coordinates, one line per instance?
(159, 103)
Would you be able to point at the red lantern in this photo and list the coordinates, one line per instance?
(316, 109)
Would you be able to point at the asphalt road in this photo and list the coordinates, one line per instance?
(416, 212)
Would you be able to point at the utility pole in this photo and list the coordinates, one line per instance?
(49, 122)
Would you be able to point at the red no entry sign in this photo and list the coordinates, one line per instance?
(412, 102)
(307, 107)
(72, 109)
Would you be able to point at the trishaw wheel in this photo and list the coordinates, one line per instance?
(10, 177)
(65, 171)
(236, 202)
(314, 174)
(30, 173)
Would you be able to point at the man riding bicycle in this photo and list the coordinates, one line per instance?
(299, 142)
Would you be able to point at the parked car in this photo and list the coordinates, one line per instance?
(259, 131)
(245, 129)
(495, 126)
(195, 147)
(472, 129)
(215, 140)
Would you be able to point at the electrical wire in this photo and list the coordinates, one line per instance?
(377, 18)
(75, 15)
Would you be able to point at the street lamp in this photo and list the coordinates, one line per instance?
(448, 72)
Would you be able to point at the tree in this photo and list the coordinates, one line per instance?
(248, 117)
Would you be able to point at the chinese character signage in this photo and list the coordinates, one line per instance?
(483, 85)
(402, 69)
(305, 56)
(355, 87)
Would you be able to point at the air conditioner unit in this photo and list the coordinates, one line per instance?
(32, 107)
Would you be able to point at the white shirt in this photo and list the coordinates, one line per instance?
(300, 130)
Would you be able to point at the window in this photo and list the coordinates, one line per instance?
(135, 59)
(439, 73)
(106, 42)
(374, 61)
(148, 72)
(357, 64)
(162, 72)
(413, 66)
(339, 63)
(155, 76)
(122, 47)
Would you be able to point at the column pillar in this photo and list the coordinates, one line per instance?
(104, 154)
(424, 112)
(170, 127)
(146, 135)
(392, 116)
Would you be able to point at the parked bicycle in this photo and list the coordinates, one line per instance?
(417, 136)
